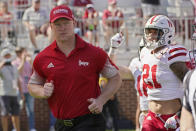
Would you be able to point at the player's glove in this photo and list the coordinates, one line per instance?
(172, 122)
(117, 40)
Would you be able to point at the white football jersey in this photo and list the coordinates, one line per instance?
(157, 77)
(136, 69)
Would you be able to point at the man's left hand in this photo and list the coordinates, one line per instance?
(95, 106)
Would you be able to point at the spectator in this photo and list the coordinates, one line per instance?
(63, 2)
(23, 64)
(91, 22)
(19, 7)
(152, 7)
(113, 22)
(6, 19)
(8, 91)
(80, 3)
(36, 21)
(52, 3)
(194, 5)
(138, 19)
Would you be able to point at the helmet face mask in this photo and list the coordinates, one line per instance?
(162, 29)
(153, 36)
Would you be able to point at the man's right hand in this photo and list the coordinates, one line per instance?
(117, 40)
(48, 89)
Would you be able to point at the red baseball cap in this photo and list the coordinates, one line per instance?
(112, 1)
(61, 11)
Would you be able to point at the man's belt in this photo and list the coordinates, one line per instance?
(76, 120)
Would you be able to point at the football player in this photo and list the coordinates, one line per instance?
(142, 103)
(163, 70)
(134, 68)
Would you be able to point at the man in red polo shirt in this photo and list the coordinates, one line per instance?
(66, 73)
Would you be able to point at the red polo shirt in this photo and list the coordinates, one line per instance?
(75, 77)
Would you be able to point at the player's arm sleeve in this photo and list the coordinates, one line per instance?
(37, 76)
(135, 67)
(177, 53)
(109, 69)
(132, 66)
(105, 66)
(177, 57)
(36, 79)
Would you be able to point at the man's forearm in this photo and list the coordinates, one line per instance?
(111, 88)
(36, 90)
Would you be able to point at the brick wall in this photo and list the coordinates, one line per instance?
(127, 107)
(127, 100)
